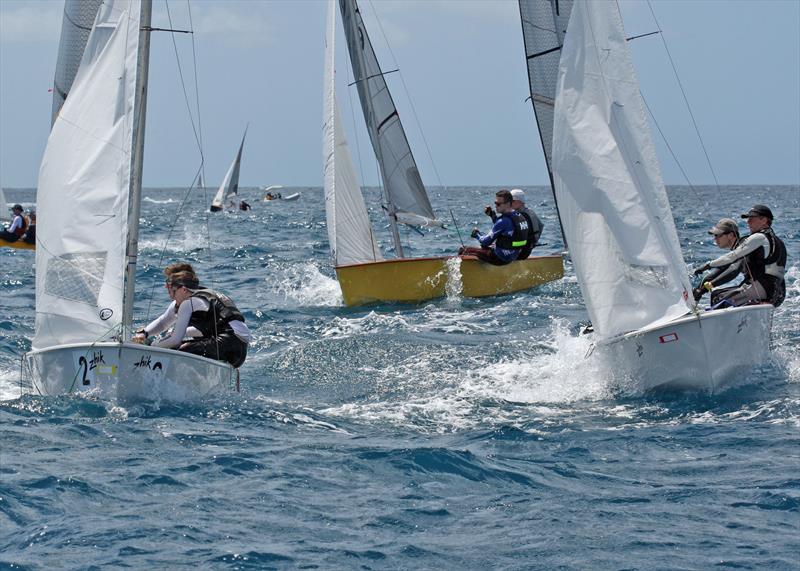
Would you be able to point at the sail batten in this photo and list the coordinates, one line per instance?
(84, 185)
(615, 212)
(405, 192)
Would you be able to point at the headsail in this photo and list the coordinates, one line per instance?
(544, 23)
(230, 184)
(614, 206)
(76, 24)
(349, 229)
(4, 215)
(84, 185)
(405, 192)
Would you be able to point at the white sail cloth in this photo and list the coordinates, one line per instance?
(83, 189)
(349, 230)
(230, 184)
(614, 207)
(4, 214)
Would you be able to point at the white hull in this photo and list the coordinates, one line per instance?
(126, 372)
(706, 352)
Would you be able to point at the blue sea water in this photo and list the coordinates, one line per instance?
(453, 434)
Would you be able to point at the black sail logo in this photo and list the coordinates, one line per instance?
(106, 313)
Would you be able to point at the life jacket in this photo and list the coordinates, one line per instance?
(769, 270)
(221, 311)
(21, 230)
(518, 240)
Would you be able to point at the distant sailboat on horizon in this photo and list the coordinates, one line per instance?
(229, 188)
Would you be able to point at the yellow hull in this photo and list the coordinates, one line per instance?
(420, 279)
(19, 245)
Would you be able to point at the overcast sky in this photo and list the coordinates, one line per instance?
(462, 62)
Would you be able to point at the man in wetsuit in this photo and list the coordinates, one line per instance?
(726, 236)
(507, 238)
(763, 257)
(18, 226)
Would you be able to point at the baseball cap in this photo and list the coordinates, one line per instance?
(758, 210)
(518, 194)
(723, 226)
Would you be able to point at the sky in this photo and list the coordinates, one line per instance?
(461, 89)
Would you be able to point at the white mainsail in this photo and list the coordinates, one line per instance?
(4, 214)
(405, 193)
(614, 207)
(76, 24)
(349, 230)
(230, 184)
(83, 189)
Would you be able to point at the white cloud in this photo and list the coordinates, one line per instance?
(30, 22)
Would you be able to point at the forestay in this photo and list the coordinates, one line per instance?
(83, 189)
(614, 206)
(349, 229)
(403, 186)
(230, 184)
(76, 24)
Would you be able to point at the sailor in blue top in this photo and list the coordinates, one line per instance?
(507, 237)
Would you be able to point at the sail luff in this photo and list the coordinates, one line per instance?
(615, 209)
(137, 159)
(404, 191)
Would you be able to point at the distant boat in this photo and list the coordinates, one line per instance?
(364, 275)
(230, 184)
(89, 194)
(5, 217)
(615, 211)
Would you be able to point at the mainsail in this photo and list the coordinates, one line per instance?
(4, 215)
(614, 207)
(230, 184)
(349, 229)
(84, 185)
(76, 24)
(405, 194)
(544, 23)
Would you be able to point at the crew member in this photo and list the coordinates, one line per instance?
(508, 236)
(18, 226)
(763, 257)
(726, 236)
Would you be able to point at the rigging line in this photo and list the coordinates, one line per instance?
(183, 82)
(169, 237)
(197, 93)
(674, 157)
(685, 98)
(410, 101)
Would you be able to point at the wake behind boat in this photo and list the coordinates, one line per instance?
(364, 276)
(89, 195)
(615, 213)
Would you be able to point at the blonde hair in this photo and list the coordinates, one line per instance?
(178, 267)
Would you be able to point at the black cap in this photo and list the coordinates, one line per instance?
(17, 207)
(759, 210)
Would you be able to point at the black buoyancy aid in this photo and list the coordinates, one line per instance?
(23, 228)
(522, 226)
(764, 269)
(221, 311)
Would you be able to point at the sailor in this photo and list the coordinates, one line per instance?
(507, 238)
(535, 225)
(763, 257)
(30, 233)
(243, 205)
(18, 226)
(167, 319)
(224, 334)
(726, 236)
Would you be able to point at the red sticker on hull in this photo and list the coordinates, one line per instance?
(668, 338)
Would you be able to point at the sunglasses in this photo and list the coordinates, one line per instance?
(501, 203)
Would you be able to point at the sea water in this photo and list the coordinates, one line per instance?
(457, 433)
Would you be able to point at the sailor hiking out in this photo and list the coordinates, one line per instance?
(507, 238)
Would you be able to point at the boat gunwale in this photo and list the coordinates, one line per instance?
(437, 258)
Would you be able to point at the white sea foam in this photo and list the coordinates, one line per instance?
(154, 201)
(303, 284)
(9, 383)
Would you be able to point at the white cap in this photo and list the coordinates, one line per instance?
(518, 194)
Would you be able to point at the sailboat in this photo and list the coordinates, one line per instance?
(88, 203)
(230, 184)
(5, 217)
(364, 275)
(615, 213)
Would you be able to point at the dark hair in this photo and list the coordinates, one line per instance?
(178, 267)
(505, 195)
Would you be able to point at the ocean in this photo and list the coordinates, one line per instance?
(453, 434)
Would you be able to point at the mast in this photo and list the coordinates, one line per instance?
(135, 193)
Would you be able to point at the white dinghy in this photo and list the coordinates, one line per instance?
(88, 205)
(615, 213)
(230, 184)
